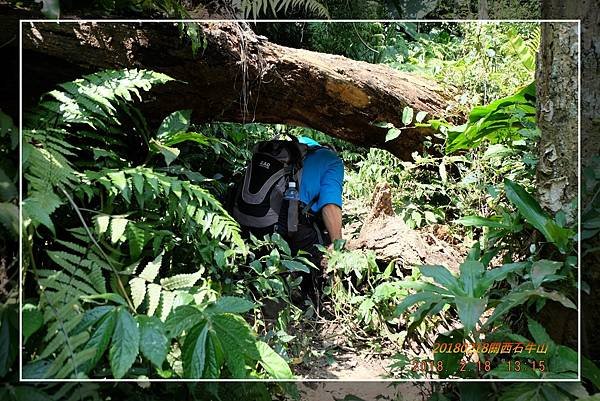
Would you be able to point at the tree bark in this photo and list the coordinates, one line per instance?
(241, 77)
(586, 10)
(557, 116)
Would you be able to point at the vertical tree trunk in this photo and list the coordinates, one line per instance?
(483, 10)
(586, 10)
(557, 116)
(557, 97)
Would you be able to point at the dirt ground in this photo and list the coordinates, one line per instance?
(356, 391)
(335, 353)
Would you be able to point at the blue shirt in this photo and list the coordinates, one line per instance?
(322, 175)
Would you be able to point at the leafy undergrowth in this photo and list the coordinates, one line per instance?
(134, 268)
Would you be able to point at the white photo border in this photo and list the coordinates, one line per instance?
(296, 380)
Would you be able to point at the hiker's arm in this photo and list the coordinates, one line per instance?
(332, 217)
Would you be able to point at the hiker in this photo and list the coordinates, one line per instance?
(294, 188)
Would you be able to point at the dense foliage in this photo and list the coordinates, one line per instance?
(134, 269)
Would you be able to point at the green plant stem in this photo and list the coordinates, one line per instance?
(89, 233)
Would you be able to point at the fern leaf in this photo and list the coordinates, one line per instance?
(154, 291)
(181, 280)
(117, 228)
(166, 304)
(138, 291)
(152, 268)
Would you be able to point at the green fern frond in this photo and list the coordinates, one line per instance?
(160, 297)
(73, 275)
(94, 99)
(255, 8)
(181, 280)
(138, 290)
(189, 206)
(154, 293)
(526, 49)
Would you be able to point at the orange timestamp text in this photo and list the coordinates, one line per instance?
(504, 347)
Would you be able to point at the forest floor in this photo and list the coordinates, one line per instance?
(352, 391)
(336, 349)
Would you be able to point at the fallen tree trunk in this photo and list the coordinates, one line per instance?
(241, 77)
(392, 240)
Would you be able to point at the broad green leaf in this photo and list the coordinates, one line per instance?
(590, 371)
(413, 299)
(518, 297)
(442, 276)
(182, 319)
(272, 362)
(178, 121)
(392, 134)
(293, 266)
(169, 153)
(154, 344)
(125, 343)
(407, 115)
(421, 116)
(229, 304)
(477, 221)
(187, 136)
(565, 359)
(101, 338)
(525, 54)
(533, 213)
(383, 124)
(281, 243)
(470, 274)
(91, 316)
(551, 392)
(522, 391)
(497, 273)
(423, 286)
(498, 150)
(215, 356)
(33, 319)
(540, 336)
(575, 389)
(543, 268)
(501, 118)
(138, 182)
(194, 351)
(470, 310)
(238, 341)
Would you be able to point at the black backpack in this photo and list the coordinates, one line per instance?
(259, 205)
